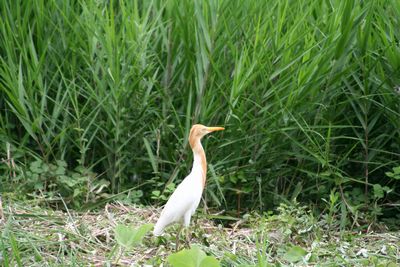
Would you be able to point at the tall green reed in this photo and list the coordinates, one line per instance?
(305, 89)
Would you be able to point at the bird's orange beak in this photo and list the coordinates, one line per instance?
(213, 129)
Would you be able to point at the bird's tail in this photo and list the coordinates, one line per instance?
(159, 228)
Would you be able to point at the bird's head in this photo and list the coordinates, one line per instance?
(198, 131)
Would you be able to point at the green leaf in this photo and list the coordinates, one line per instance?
(15, 249)
(209, 261)
(395, 174)
(124, 235)
(60, 170)
(150, 153)
(36, 167)
(390, 174)
(193, 257)
(396, 170)
(387, 189)
(128, 237)
(45, 167)
(141, 232)
(295, 253)
(378, 191)
(156, 193)
(68, 181)
(38, 186)
(77, 192)
(61, 163)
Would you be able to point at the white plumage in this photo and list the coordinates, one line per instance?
(182, 204)
(184, 201)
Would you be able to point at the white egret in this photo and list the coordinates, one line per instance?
(184, 200)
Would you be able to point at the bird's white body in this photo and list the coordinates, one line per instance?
(184, 201)
(186, 198)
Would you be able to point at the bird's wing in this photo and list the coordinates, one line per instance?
(186, 197)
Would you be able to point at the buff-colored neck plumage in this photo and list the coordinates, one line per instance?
(198, 153)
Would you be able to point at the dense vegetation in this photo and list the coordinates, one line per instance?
(97, 97)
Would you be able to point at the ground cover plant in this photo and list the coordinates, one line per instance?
(36, 236)
(97, 99)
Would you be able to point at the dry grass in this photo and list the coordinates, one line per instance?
(46, 237)
(89, 236)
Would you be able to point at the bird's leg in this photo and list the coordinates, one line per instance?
(186, 223)
(187, 238)
(177, 237)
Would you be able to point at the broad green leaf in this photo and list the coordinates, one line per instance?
(141, 232)
(124, 235)
(295, 254)
(209, 261)
(193, 257)
(128, 237)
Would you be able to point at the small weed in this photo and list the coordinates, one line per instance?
(48, 181)
(395, 174)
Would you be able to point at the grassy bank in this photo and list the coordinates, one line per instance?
(97, 97)
(33, 236)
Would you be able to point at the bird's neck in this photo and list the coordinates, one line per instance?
(199, 159)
